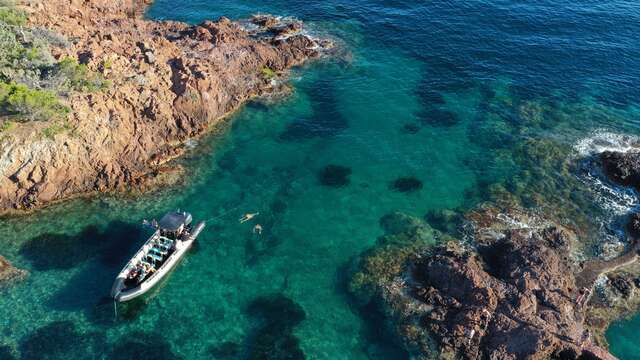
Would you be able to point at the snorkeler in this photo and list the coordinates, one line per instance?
(257, 229)
(247, 217)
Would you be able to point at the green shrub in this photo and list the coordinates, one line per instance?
(31, 80)
(7, 125)
(56, 128)
(78, 76)
(11, 16)
(24, 104)
(267, 73)
(107, 64)
(24, 58)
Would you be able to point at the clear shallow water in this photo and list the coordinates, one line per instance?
(456, 96)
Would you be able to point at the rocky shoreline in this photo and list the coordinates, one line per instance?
(512, 289)
(169, 82)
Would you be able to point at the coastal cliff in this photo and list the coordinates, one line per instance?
(166, 82)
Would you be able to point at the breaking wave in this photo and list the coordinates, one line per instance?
(603, 140)
(616, 201)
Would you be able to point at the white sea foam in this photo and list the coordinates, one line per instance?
(191, 143)
(512, 222)
(603, 140)
(614, 199)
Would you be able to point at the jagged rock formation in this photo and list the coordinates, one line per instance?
(622, 167)
(509, 293)
(169, 82)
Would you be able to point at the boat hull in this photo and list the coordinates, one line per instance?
(121, 294)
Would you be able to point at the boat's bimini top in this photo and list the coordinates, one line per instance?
(173, 221)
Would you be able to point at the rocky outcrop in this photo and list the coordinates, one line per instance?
(9, 274)
(622, 167)
(169, 82)
(509, 292)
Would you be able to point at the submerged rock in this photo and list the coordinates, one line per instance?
(406, 184)
(225, 350)
(62, 340)
(437, 117)
(334, 176)
(447, 221)
(6, 353)
(274, 339)
(136, 343)
(9, 274)
(410, 128)
(326, 120)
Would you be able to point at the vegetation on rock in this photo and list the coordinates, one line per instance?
(33, 83)
(25, 104)
(267, 73)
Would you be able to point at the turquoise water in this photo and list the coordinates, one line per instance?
(474, 100)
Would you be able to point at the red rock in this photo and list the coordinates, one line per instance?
(170, 82)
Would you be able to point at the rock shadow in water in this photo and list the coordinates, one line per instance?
(111, 245)
(225, 350)
(6, 353)
(439, 118)
(274, 338)
(427, 94)
(444, 75)
(334, 176)
(140, 345)
(61, 340)
(228, 161)
(278, 206)
(84, 289)
(61, 251)
(326, 120)
(410, 128)
(406, 184)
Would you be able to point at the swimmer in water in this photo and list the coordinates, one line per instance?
(257, 229)
(247, 217)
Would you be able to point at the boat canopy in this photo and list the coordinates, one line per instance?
(173, 221)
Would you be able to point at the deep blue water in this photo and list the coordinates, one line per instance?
(475, 100)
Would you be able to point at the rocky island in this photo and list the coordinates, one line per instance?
(134, 91)
(515, 287)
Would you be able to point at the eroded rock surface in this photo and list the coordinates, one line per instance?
(509, 292)
(512, 299)
(169, 82)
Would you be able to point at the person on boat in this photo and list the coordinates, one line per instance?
(149, 268)
(257, 229)
(247, 217)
